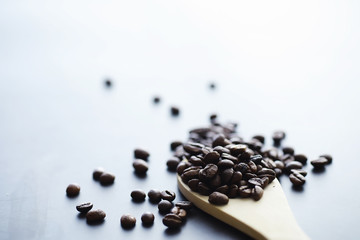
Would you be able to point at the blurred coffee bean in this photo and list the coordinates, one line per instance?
(174, 145)
(186, 205)
(107, 178)
(244, 191)
(208, 172)
(260, 138)
(292, 165)
(319, 163)
(300, 158)
(141, 154)
(193, 184)
(328, 157)
(277, 137)
(300, 171)
(156, 99)
(217, 198)
(257, 193)
(140, 166)
(172, 220)
(175, 111)
(288, 150)
(182, 166)
(211, 157)
(97, 173)
(172, 163)
(179, 211)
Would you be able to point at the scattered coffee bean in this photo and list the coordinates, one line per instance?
(138, 195)
(168, 195)
(328, 157)
(127, 221)
(141, 154)
(213, 117)
(218, 198)
(288, 150)
(73, 190)
(172, 163)
(302, 172)
(172, 220)
(257, 193)
(147, 218)
(140, 166)
(154, 195)
(186, 205)
(156, 99)
(297, 179)
(300, 158)
(277, 137)
(107, 178)
(165, 206)
(293, 165)
(95, 215)
(319, 163)
(261, 138)
(175, 144)
(175, 111)
(84, 207)
(97, 173)
(179, 211)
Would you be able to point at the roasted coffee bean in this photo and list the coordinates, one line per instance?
(226, 156)
(259, 167)
(236, 178)
(233, 191)
(248, 176)
(217, 198)
(172, 163)
(221, 150)
(288, 150)
(147, 218)
(154, 195)
(193, 150)
(244, 191)
(107, 178)
(165, 206)
(265, 172)
(174, 145)
(226, 175)
(245, 156)
(172, 220)
(95, 215)
(203, 189)
(252, 167)
(261, 138)
(272, 153)
(168, 195)
(215, 182)
(265, 182)
(279, 164)
(209, 172)
(300, 171)
(127, 221)
(236, 149)
(84, 207)
(175, 111)
(193, 184)
(138, 195)
(223, 164)
(257, 192)
(319, 163)
(182, 166)
(211, 157)
(140, 166)
(191, 174)
(300, 158)
(277, 137)
(222, 189)
(186, 205)
(278, 172)
(297, 179)
(156, 99)
(256, 159)
(141, 154)
(243, 183)
(195, 161)
(292, 165)
(328, 157)
(180, 152)
(97, 173)
(73, 190)
(179, 211)
(213, 117)
(220, 141)
(242, 167)
(286, 158)
(203, 132)
(255, 182)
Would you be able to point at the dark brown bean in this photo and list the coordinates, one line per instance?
(164, 206)
(107, 178)
(277, 137)
(168, 195)
(244, 191)
(227, 175)
(223, 164)
(182, 166)
(211, 157)
(97, 173)
(328, 157)
(203, 189)
(175, 111)
(73, 190)
(140, 166)
(319, 163)
(288, 150)
(127, 221)
(175, 144)
(172, 163)
(302, 172)
(255, 182)
(300, 158)
(138, 195)
(154, 195)
(84, 207)
(186, 205)
(180, 212)
(297, 179)
(156, 99)
(233, 191)
(223, 189)
(172, 220)
(257, 192)
(95, 215)
(218, 198)
(208, 173)
(292, 165)
(141, 154)
(193, 184)
(261, 138)
(147, 218)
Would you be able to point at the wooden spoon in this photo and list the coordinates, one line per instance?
(268, 218)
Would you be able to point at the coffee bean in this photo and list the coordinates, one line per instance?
(175, 111)
(261, 138)
(297, 179)
(256, 159)
(265, 182)
(244, 191)
(172, 220)
(191, 149)
(186, 205)
(257, 192)
(218, 198)
(252, 167)
(203, 189)
(278, 172)
(141, 154)
(319, 163)
(221, 150)
(233, 191)
(190, 174)
(127, 221)
(73, 190)
(292, 165)
(140, 166)
(175, 144)
(95, 215)
(147, 218)
(213, 117)
(195, 161)
(215, 182)
(164, 206)
(107, 178)
(168, 195)
(182, 166)
(236, 149)
(226, 175)
(223, 164)
(300, 158)
(84, 207)
(288, 150)
(279, 164)
(328, 157)
(211, 157)
(172, 163)
(300, 171)
(179, 211)
(138, 195)
(209, 172)
(255, 182)
(154, 196)
(226, 156)
(245, 156)
(97, 173)
(220, 141)
(193, 184)
(277, 137)
(242, 167)
(236, 178)
(156, 99)
(222, 189)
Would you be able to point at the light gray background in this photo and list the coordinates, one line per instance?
(278, 65)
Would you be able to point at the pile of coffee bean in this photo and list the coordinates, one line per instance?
(217, 162)
(140, 163)
(103, 177)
